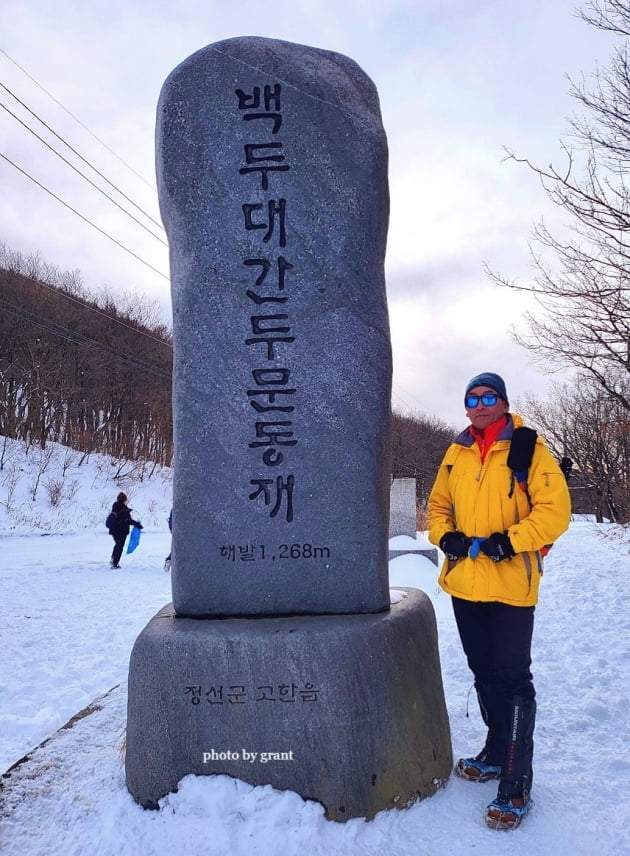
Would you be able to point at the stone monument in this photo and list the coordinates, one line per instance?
(402, 522)
(280, 660)
(402, 508)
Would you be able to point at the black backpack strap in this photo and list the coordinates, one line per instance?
(520, 456)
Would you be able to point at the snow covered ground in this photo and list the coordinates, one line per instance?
(67, 626)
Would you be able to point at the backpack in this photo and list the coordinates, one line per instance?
(519, 459)
(110, 522)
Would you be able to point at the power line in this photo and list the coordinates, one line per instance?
(72, 149)
(72, 166)
(402, 462)
(65, 333)
(65, 109)
(84, 305)
(85, 219)
(396, 397)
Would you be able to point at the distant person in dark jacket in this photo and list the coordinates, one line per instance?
(121, 528)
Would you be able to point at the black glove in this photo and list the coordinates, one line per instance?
(455, 545)
(497, 547)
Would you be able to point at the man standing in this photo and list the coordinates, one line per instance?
(498, 502)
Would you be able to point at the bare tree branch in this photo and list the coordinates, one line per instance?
(581, 281)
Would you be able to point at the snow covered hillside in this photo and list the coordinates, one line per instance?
(58, 489)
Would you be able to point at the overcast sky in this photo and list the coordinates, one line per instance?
(458, 80)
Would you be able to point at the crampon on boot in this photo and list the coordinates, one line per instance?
(513, 800)
(508, 814)
(474, 770)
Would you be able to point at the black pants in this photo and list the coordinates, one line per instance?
(496, 638)
(119, 543)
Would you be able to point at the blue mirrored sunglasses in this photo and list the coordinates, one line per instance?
(487, 398)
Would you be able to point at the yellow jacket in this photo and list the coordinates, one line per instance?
(479, 499)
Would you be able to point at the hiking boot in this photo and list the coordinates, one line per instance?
(507, 814)
(474, 770)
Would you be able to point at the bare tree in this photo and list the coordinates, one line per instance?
(583, 295)
(79, 370)
(418, 445)
(592, 429)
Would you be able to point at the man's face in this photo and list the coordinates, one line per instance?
(485, 414)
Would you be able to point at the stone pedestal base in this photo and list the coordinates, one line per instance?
(346, 710)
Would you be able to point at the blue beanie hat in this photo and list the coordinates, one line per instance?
(494, 381)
